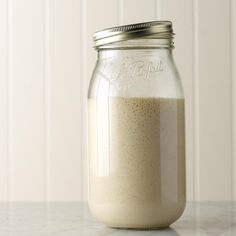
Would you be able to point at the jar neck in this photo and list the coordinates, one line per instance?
(124, 52)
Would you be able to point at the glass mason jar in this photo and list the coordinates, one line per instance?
(136, 128)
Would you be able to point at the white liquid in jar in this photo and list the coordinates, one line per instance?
(137, 161)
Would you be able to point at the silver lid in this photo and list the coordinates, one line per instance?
(152, 29)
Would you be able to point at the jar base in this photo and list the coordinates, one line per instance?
(137, 216)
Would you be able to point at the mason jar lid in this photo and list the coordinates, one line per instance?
(152, 29)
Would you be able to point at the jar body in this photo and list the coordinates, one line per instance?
(136, 139)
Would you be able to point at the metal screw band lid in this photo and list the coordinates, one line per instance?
(152, 29)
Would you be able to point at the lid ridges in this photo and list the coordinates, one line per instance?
(159, 29)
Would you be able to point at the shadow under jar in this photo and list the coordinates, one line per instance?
(136, 128)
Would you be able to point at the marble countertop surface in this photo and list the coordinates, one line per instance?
(74, 219)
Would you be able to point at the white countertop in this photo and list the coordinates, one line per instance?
(74, 219)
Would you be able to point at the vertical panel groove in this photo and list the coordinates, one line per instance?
(120, 12)
(158, 10)
(231, 94)
(196, 100)
(4, 100)
(83, 98)
(9, 94)
(46, 98)
(233, 91)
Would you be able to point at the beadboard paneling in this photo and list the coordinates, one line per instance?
(46, 62)
(183, 26)
(26, 104)
(214, 100)
(92, 21)
(137, 11)
(64, 100)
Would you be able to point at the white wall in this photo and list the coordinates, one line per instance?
(46, 59)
